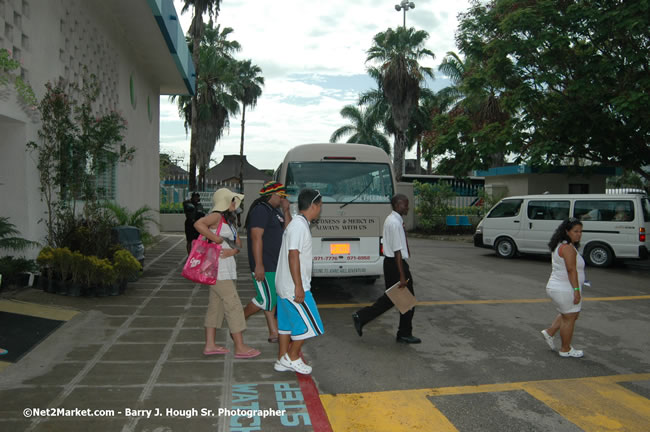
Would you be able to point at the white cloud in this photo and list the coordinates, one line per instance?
(299, 45)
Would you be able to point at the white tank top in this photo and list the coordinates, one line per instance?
(227, 266)
(559, 280)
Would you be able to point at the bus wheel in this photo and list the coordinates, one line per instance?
(505, 247)
(599, 255)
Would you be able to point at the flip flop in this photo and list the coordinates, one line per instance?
(248, 354)
(217, 351)
(3, 351)
(273, 339)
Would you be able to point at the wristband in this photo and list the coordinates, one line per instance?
(576, 289)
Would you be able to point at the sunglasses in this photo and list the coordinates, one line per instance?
(316, 197)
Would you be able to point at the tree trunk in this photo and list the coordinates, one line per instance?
(241, 151)
(418, 168)
(196, 43)
(429, 166)
(398, 154)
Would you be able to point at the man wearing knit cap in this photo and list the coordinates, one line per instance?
(267, 218)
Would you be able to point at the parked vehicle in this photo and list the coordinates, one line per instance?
(356, 182)
(614, 226)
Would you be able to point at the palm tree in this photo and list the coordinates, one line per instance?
(363, 128)
(398, 52)
(215, 95)
(480, 103)
(8, 237)
(422, 122)
(139, 218)
(249, 83)
(200, 7)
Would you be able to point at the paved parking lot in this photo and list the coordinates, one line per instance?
(483, 366)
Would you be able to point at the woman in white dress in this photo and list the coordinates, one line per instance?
(223, 300)
(565, 285)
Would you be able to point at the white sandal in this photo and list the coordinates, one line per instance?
(572, 353)
(295, 365)
(549, 339)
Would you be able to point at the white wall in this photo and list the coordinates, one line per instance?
(58, 38)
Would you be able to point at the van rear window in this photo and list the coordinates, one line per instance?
(645, 204)
(506, 208)
(604, 210)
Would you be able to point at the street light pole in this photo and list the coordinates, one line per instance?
(404, 5)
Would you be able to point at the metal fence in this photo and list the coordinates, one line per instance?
(175, 190)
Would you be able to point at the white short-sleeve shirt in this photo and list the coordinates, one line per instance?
(394, 236)
(296, 237)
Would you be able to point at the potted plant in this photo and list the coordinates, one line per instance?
(15, 271)
(45, 261)
(77, 269)
(104, 276)
(62, 265)
(126, 267)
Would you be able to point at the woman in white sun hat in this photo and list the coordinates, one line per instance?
(224, 300)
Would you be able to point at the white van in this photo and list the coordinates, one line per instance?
(614, 226)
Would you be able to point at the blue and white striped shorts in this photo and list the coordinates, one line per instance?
(301, 321)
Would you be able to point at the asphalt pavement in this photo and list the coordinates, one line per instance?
(482, 365)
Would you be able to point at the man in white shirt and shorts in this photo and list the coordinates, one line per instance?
(298, 317)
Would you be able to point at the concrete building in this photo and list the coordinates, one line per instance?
(517, 180)
(137, 50)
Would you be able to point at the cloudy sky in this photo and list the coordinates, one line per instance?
(312, 54)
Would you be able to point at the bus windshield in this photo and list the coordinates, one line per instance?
(341, 182)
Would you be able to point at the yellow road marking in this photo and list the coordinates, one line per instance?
(593, 404)
(384, 412)
(37, 310)
(3, 365)
(470, 302)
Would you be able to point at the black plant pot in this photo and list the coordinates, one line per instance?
(61, 287)
(75, 289)
(49, 284)
(101, 290)
(123, 285)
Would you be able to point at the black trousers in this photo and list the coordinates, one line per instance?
(383, 303)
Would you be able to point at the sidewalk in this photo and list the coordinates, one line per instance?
(140, 356)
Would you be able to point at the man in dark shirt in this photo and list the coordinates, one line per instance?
(193, 211)
(267, 218)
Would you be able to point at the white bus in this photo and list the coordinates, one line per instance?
(356, 182)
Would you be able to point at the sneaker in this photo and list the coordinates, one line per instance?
(572, 353)
(278, 367)
(295, 365)
(549, 340)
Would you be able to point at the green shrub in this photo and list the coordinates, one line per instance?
(171, 208)
(126, 266)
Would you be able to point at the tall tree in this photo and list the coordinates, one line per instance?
(574, 77)
(215, 94)
(249, 90)
(200, 8)
(398, 53)
(470, 106)
(363, 128)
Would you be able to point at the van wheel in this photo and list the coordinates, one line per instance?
(599, 255)
(505, 248)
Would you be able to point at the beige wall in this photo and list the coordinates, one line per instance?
(531, 184)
